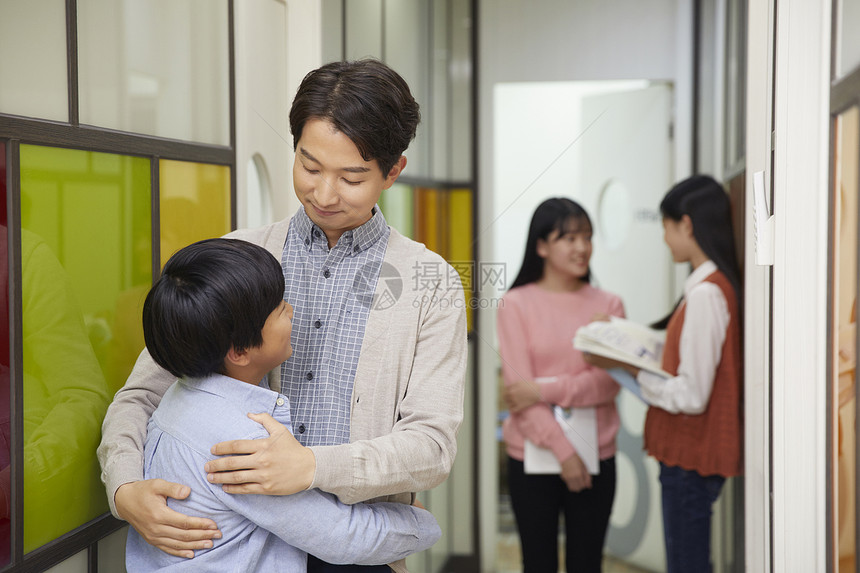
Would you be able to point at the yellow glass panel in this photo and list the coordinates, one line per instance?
(86, 261)
(460, 242)
(194, 204)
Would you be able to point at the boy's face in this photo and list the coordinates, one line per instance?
(276, 345)
(337, 187)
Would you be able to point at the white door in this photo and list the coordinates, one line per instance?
(626, 168)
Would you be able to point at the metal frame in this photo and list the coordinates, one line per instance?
(15, 130)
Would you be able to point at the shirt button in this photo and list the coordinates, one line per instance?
(307, 241)
(326, 273)
(310, 376)
(317, 324)
(301, 428)
(280, 402)
(355, 249)
(316, 234)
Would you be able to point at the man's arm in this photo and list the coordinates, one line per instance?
(144, 503)
(124, 428)
(415, 454)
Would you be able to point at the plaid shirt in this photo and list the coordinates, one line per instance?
(331, 291)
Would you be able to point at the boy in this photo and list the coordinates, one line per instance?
(216, 319)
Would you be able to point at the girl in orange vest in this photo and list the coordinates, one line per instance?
(694, 426)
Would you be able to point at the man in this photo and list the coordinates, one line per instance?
(376, 385)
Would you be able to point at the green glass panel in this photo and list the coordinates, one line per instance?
(86, 266)
(396, 203)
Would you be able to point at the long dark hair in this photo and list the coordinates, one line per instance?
(557, 214)
(704, 200)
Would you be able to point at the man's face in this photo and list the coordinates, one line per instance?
(337, 187)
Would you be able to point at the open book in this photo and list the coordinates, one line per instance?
(625, 341)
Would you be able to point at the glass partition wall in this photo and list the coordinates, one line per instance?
(115, 150)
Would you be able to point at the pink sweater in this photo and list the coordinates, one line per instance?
(536, 329)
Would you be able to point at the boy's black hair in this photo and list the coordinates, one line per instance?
(211, 295)
(557, 214)
(365, 100)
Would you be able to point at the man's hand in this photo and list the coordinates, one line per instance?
(575, 474)
(143, 504)
(520, 394)
(277, 465)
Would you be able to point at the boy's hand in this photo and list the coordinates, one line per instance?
(277, 465)
(143, 504)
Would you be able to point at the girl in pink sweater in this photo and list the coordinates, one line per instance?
(549, 300)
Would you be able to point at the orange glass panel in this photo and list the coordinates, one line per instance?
(844, 281)
(429, 210)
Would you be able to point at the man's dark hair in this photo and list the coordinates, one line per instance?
(365, 100)
(211, 295)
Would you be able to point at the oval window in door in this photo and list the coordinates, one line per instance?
(614, 214)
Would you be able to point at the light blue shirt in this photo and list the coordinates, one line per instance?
(331, 290)
(260, 533)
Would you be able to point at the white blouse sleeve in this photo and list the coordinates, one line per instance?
(706, 322)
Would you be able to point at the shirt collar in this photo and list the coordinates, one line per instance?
(366, 235)
(255, 398)
(357, 240)
(702, 272)
(304, 227)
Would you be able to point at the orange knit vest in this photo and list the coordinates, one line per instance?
(711, 442)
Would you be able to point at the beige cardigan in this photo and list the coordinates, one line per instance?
(407, 397)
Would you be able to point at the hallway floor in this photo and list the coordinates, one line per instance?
(508, 558)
